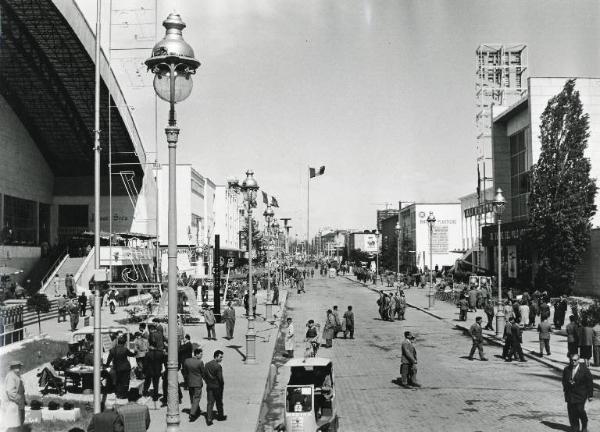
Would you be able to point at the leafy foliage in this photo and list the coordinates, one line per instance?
(40, 304)
(561, 202)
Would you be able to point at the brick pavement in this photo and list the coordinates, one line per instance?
(457, 394)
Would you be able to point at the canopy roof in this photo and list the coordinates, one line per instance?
(47, 77)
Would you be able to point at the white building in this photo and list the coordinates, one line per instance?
(228, 223)
(446, 241)
(195, 218)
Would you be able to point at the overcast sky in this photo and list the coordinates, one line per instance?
(381, 92)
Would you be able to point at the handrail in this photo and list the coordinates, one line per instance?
(83, 266)
(50, 273)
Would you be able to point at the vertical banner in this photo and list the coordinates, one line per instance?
(512, 261)
(217, 278)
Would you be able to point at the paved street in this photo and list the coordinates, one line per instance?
(457, 394)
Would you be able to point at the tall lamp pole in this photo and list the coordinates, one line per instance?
(431, 222)
(398, 232)
(499, 205)
(249, 189)
(173, 65)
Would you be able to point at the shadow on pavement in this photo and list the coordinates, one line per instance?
(556, 426)
(237, 348)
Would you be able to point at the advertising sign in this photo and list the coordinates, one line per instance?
(439, 239)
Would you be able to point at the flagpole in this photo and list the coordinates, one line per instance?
(308, 211)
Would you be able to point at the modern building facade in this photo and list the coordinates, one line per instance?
(446, 241)
(516, 147)
(47, 137)
(229, 206)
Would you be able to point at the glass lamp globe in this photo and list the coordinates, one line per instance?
(183, 86)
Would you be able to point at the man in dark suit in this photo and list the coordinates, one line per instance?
(477, 338)
(136, 417)
(106, 421)
(408, 364)
(153, 363)
(578, 387)
(213, 376)
(194, 369)
(184, 353)
(119, 355)
(516, 340)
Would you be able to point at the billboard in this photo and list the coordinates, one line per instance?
(365, 242)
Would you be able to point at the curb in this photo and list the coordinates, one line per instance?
(260, 427)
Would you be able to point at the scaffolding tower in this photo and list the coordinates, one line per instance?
(501, 80)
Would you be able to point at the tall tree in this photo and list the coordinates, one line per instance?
(40, 304)
(561, 203)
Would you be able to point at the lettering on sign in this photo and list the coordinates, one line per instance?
(106, 342)
(439, 240)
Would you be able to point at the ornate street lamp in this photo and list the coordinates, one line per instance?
(398, 229)
(499, 205)
(173, 65)
(269, 215)
(431, 223)
(249, 189)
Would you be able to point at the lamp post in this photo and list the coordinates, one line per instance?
(269, 214)
(398, 229)
(431, 223)
(377, 257)
(173, 65)
(249, 189)
(499, 205)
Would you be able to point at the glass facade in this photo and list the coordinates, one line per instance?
(519, 173)
(20, 222)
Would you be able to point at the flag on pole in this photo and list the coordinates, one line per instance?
(274, 202)
(313, 171)
(265, 198)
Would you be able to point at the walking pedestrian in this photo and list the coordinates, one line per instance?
(585, 341)
(136, 417)
(472, 299)
(74, 314)
(328, 329)
(311, 339)
(408, 362)
(14, 404)
(247, 302)
(544, 310)
(194, 369)
(254, 303)
(213, 377)
(62, 308)
(488, 308)
(107, 420)
(290, 339)
(545, 329)
(119, 354)
(349, 317)
(516, 341)
(183, 353)
(229, 318)
(275, 299)
(209, 320)
(140, 345)
(596, 335)
(524, 312)
(463, 307)
(153, 367)
(507, 336)
(338, 322)
(578, 388)
(82, 300)
(477, 339)
(572, 335)
(560, 310)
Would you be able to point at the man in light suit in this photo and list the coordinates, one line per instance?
(135, 416)
(578, 387)
(229, 318)
(408, 366)
(14, 414)
(194, 369)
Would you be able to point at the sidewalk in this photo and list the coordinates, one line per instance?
(244, 384)
(447, 311)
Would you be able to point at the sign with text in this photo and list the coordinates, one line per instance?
(439, 239)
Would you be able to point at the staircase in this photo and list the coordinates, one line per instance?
(69, 266)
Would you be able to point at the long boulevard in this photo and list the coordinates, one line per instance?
(456, 394)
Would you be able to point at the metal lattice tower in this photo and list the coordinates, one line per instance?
(501, 80)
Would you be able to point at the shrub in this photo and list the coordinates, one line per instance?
(68, 406)
(53, 406)
(35, 405)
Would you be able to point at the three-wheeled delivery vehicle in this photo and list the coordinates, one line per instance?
(310, 403)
